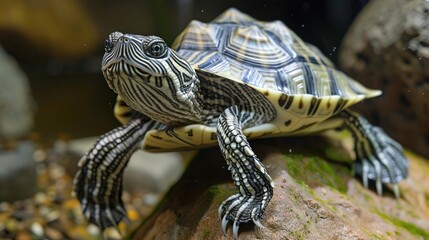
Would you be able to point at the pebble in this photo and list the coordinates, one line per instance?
(150, 199)
(37, 229)
(111, 234)
(53, 234)
(23, 236)
(93, 230)
(52, 213)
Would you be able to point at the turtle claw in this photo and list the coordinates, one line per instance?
(256, 220)
(224, 224)
(240, 209)
(396, 191)
(258, 223)
(235, 227)
(379, 187)
(380, 159)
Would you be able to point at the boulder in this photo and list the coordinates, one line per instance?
(18, 177)
(387, 47)
(16, 103)
(315, 197)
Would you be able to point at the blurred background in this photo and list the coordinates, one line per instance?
(59, 46)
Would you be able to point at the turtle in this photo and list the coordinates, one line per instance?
(222, 83)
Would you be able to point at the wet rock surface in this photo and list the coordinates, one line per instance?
(387, 47)
(315, 197)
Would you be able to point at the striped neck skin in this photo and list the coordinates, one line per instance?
(152, 79)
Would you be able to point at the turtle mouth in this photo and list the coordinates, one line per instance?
(119, 73)
(117, 68)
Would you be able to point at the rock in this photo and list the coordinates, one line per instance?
(154, 171)
(387, 47)
(16, 103)
(61, 29)
(315, 198)
(18, 178)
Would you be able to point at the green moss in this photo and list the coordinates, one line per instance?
(366, 196)
(378, 237)
(207, 234)
(313, 171)
(298, 235)
(220, 192)
(411, 228)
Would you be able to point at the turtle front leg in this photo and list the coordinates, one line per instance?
(379, 157)
(254, 185)
(98, 183)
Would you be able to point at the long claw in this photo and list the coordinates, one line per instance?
(258, 223)
(255, 220)
(219, 211)
(396, 191)
(224, 224)
(235, 227)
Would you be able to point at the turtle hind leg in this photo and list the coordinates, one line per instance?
(254, 185)
(379, 157)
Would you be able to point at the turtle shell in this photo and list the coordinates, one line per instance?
(302, 84)
(267, 55)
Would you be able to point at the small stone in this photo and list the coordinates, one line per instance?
(150, 199)
(4, 206)
(53, 234)
(52, 216)
(23, 236)
(11, 225)
(93, 230)
(37, 229)
(78, 232)
(41, 199)
(126, 197)
(132, 214)
(56, 171)
(39, 155)
(71, 203)
(111, 234)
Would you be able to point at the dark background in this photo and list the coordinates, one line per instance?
(59, 45)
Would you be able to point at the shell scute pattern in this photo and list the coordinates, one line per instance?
(263, 54)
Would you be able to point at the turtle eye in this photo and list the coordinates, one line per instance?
(156, 49)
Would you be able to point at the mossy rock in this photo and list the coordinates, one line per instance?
(316, 197)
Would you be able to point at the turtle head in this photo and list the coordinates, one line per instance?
(151, 78)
